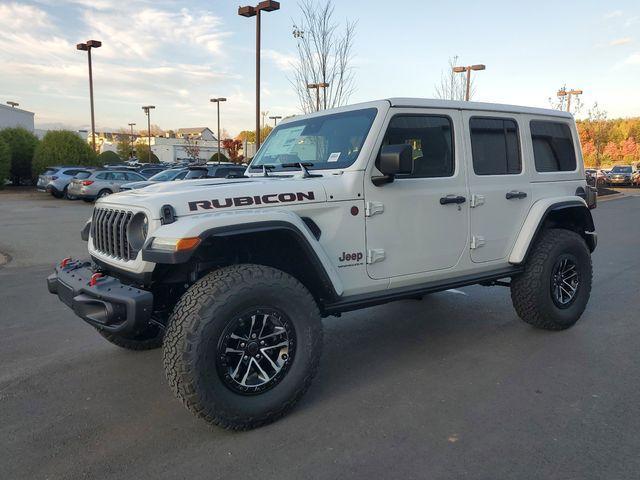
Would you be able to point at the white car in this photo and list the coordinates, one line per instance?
(339, 210)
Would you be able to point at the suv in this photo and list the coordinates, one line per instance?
(102, 183)
(339, 210)
(221, 170)
(621, 175)
(55, 180)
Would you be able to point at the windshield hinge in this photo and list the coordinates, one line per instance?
(371, 208)
(476, 200)
(375, 255)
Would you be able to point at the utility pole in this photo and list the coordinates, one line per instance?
(249, 11)
(87, 48)
(147, 110)
(217, 101)
(567, 93)
(468, 70)
(131, 126)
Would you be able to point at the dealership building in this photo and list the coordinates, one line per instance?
(15, 117)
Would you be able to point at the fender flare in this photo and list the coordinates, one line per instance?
(536, 218)
(245, 223)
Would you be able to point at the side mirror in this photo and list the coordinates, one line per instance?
(393, 160)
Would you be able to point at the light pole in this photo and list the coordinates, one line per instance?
(131, 126)
(249, 11)
(317, 87)
(468, 70)
(13, 104)
(87, 48)
(567, 93)
(147, 110)
(217, 101)
(275, 119)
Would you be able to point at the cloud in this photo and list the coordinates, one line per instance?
(633, 59)
(619, 41)
(613, 14)
(284, 61)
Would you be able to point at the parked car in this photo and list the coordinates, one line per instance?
(55, 180)
(164, 176)
(149, 172)
(620, 175)
(102, 183)
(215, 171)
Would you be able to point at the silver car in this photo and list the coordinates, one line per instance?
(102, 183)
(55, 180)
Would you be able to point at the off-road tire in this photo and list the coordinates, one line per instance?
(197, 325)
(531, 291)
(148, 340)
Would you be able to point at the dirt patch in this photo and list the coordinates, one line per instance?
(4, 259)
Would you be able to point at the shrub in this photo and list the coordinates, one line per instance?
(62, 147)
(142, 154)
(108, 157)
(22, 144)
(5, 162)
(214, 158)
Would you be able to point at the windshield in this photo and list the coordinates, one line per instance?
(196, 173)
(329, 141)
(164, 176)
(619, 169)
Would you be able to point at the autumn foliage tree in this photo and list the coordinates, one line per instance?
(232, 146)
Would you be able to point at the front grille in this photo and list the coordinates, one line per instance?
(110, 233)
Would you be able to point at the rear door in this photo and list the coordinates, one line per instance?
(499, 185)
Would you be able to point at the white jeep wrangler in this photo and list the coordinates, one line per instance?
(339, 210)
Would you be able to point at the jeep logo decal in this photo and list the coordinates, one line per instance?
(254, 200)
(350, 257)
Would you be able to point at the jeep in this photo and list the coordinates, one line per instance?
(339, 210)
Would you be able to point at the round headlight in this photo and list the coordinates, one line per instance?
(138, 229)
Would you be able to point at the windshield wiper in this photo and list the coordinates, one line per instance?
(302, 166)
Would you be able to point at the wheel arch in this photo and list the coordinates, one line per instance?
(570, 213)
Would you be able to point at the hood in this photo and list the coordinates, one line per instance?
(139, 184)
(190, 197)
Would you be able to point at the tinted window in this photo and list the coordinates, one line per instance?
(70, 172)
(82, 175)
(430, 137)
(118, 176)
(223, 172)
(50, 171)
(134, 176)
(495, 146)
(104, 176)
(552, 147)
(196, 173)
(619, 169)
(181, 175)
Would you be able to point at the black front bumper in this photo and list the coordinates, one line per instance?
(109, 304)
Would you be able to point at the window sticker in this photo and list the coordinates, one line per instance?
(333, 157)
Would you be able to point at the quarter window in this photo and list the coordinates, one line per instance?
(495, 146)
(553, 149)
(431, 138)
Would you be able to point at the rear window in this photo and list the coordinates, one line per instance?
(82, 175)
(552, 146)
(50, 171)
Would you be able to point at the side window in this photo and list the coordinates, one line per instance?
(70, 172)
(181, 175)
(118, 176)
(134, 176)
(431, 138)
(495, 146)
(552, 146)
(104, 176)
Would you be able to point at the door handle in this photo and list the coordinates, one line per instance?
(452, 199)
(515, 194)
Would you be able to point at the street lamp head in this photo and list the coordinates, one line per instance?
(131, 124)
(561, 93)
(576, 92)
(219, 99)
(94, 44)
(268, 6)
(459, 69)
(312, 85)
(82, 46)
(478, 67)
(323, 85)
(13, 104)
(247, 11)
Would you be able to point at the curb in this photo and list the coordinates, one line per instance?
(615, 196)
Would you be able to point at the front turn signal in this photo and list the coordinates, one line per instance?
(187, 243)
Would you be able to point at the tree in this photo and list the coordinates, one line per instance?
(142, 153)
(560, 101)
(453, 86)
(22, 144)
(324, 56)
(233, 148)
(629, 150)
(62, 147)
(5, 162)
(597, 131)
(250, 135)
(192, 148)
(123, 145)
(109, 157)
(156, 131)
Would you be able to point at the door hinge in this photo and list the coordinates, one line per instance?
(371, 208)
(476, 242)
(476, 201)
(375, 255)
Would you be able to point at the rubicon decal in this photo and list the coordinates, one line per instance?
(253, 200)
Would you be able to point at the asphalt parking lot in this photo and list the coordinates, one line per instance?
(453, 386)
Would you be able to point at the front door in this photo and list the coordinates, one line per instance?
(419, 222)
(499, 184)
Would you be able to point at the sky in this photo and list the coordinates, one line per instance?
(178, 54)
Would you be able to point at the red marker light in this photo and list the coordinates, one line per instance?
(94, 279)
(65, 262)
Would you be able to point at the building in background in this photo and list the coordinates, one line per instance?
(16, 117)
(196, 133)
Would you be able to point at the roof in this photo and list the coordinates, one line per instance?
(194, 130)
(461, 105)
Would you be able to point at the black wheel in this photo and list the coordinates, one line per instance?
(243, 345)
(88, 200)
(104, 193)
(147, 340)
(555, 287)
(57, 194)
